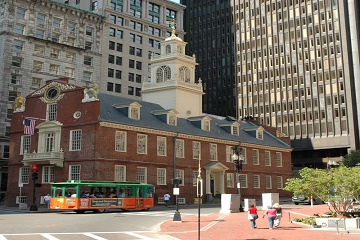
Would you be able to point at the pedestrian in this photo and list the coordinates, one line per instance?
(47, 200)
(271, 214)
(166, 199)
(278, 214)
(253, 215)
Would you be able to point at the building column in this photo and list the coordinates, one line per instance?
(208, 188)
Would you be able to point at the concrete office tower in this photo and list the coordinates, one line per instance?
(211, 37)
(133, 31)
(42, 40)
(297, 67)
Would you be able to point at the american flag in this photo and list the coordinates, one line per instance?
(29, 126)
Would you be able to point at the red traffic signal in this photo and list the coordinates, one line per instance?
(34, 168)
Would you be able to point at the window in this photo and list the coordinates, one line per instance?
(136, 8)
(131, 77)
(267, 158)
(256, 181)
(48, 174)
(139, 39)
(74, 172)
(25, 144)
(70, 56)
(139, 52)
(161, 146)
(141, 144)
(36, 82)
(56, 22)
(40, 19)
(39, 50)
(278, 159)
(94, 5)
(69, 72)
(110, 87)
(163, 74)
(49, 142)
(19, 29)
(37, 66)
(206, 125)
(138, 65)
(120, 173)
(119, 34)
(171, 119)
(132, 37)
(132, 50)
(179, 146)
(54, 53)
(71, 27)
(110, 72)
(255, 156)
(16, 61)
(131, 91)
(230, 180)
(118, 60)
(279, 182)
(111, 45)
(180, 175)
(118, 74)
(87, 76)
(112, 32)
(161, 176)
(51, 112)
(243, 181)
(135, 113)
(15, 79)
(120, 141)
(195, 177)
(141, 174)
(118, 88)
(116, 5)
(75, 140)
(88, 60)
(138, 92)
(17, 45)
(154, 13)
(54, 69)
(213, 152)
(24, 173)
(268, 182)
(88, 45)
(89, 31)
(196, 149)
(20, 13)
(260, 134)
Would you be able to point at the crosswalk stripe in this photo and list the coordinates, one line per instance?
(2, 237)
(139, 236)
(48, 236)
(94, 236)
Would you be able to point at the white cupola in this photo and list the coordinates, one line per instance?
(172, 83)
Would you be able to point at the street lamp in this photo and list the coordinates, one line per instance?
(237, 159)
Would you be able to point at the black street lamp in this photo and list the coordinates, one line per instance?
(237, 159)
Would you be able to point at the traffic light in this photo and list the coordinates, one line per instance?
(35, 174)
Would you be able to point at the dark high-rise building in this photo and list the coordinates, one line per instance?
(210, 36)
(297, 68)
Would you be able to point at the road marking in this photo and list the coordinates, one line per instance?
(207, 227)
(48, 236)
(2, 237)
(94, 236)
(139, 236)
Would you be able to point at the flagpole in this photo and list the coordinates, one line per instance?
(36, 118)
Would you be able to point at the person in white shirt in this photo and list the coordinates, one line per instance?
(166, 199)
(47, 200)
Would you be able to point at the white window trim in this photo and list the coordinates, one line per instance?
(22, 143)
(180, 154)
(125, 141)
(145, 174)
(159, 139)
(70, 171)
(259, 180)
(267, 177)
(49, 173)
(216, 158)
(199, 155)
(230, 180)
(281, 182)
(137, 143)
(71, 145)
(123, 167)
(267, 153)
(245, 179)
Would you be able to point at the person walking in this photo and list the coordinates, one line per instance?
(271, 214)
(47, 200)
(166, 199)
(253, 215)
(278, 214)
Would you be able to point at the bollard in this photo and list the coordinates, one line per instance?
(289, 218)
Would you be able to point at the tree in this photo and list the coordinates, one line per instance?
(351, 159)
(336, 186)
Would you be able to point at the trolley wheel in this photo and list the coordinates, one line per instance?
(79, 211)
(145, 209)
(296, 203)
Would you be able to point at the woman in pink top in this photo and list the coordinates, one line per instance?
(254, 215)
(271, 213)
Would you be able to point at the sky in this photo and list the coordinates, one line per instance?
(177, 1)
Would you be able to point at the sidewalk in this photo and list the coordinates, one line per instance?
(236, 226)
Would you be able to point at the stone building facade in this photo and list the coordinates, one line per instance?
(42, 40)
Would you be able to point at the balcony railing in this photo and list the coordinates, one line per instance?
(55, 158)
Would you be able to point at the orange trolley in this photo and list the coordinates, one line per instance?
(97, 196)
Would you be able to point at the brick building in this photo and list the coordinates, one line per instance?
(81, 134)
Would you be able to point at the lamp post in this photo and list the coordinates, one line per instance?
(237, 159)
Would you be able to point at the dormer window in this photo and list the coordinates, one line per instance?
(172, 119)
(235, 130)
(134, 112)
(260, 134)
(206, 125)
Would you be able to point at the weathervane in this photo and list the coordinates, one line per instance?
(172, 23)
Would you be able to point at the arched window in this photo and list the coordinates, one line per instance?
(184, 73)
(168, 49)
(163, 74)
